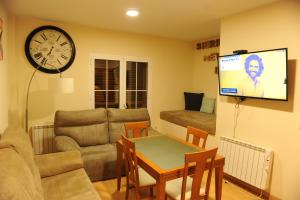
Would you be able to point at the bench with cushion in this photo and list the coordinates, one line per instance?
(197, 119)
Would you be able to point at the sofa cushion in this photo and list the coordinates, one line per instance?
(97, 148)
(58, 163)
(86, 127)
(193, 101)
(65, 143)
(100, 161)
(73, 185)
(19, 141)
(16, 179)
(117, 118)
(208, 105)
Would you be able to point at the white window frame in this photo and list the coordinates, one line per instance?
(122, 92)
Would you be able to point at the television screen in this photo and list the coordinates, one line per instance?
(261, 74)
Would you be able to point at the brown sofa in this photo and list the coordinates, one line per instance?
(57, 176)
(94, 133)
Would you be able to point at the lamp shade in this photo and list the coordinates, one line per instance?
(62, 85)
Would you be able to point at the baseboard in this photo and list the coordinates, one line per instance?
(254, 190)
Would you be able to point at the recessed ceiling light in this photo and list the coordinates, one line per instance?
(132, 12)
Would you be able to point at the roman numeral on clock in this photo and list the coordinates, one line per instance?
(64, 57)
(44, 36)
(38, 56)
(37, 41)
(58, 38)
(44, 61)
(63, 44)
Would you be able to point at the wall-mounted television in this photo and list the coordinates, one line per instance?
(260, 74)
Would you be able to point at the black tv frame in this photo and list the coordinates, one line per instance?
(252, 97)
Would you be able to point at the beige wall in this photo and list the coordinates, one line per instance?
(204, 77)
(171, 63)
(268, 123)
(4, 95)
(203, 80)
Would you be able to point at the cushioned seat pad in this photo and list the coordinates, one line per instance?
(74, 185)
(173, 188)
(203, 121)
(145, 179)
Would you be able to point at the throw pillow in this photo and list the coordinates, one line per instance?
(208, 105)
(193, 101)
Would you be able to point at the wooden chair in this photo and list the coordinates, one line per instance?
(134, 174)
(197, 136)
(136, 128)
(190, 187)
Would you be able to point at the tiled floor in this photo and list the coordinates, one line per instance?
(107, 191)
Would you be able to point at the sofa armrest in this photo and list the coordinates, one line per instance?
(57, 163)
(65, 143)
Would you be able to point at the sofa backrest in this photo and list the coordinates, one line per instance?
(86, 127)
(20, 177)
(117, 118)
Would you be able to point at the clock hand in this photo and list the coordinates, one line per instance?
(51, 65)
(50, 51)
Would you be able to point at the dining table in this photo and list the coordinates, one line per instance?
(162, 156)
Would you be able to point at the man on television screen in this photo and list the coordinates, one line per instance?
(252, 86)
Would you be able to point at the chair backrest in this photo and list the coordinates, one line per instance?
(131, 165)
(197, 136)
(117, 118)
(136, 128)
(200, 160)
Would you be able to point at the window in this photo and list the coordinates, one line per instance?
(119, 83)
(107, 83)
(136, 84)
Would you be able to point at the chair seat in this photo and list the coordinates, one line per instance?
(173, 188)
(145, 179)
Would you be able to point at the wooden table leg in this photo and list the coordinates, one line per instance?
(160, 189)
(119, 164)
(218, 182)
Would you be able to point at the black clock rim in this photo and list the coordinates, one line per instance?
(40, 67)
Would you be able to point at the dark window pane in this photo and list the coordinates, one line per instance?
(113, 99)
(113, 75)
(142, 99)
(130, 99)
(100, 99)
(130, 75)
(100, 74)
(142, 76)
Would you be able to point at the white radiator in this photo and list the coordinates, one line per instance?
(42, 139)
(247, 162)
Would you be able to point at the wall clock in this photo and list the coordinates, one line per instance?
(50, 49)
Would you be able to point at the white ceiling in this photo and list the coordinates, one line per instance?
(180, 19)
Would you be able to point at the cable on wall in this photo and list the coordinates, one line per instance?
(236, 113)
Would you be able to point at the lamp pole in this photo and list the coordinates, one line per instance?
(27, 99)
(27, 96)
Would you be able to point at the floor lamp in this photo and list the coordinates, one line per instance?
(60, 85)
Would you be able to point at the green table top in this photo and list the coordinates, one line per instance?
(164, 151)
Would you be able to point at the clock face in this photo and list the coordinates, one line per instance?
(50, 49)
